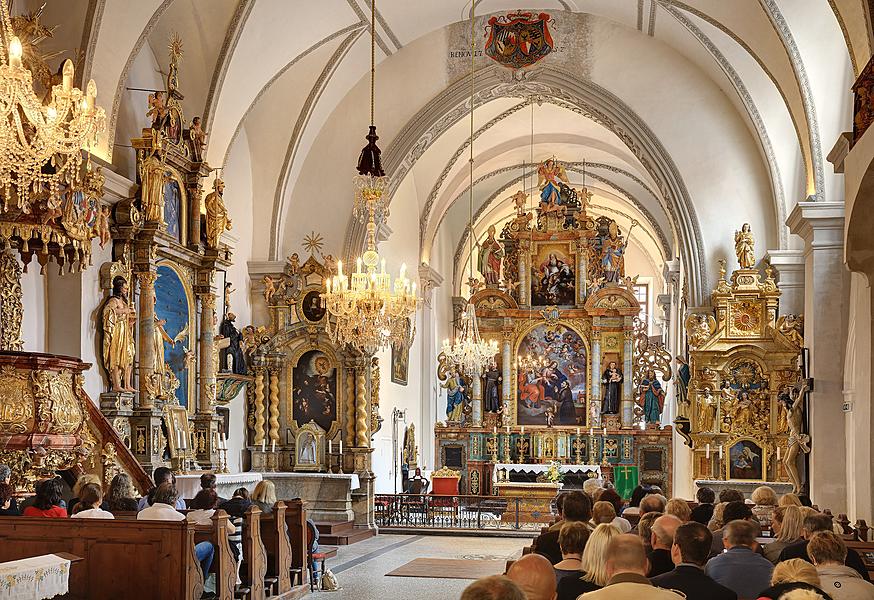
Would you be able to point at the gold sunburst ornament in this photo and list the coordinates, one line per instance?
(313, 243)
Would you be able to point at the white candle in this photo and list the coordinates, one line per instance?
(605, 431)
(273, 446)
(720, 451)
(778, 452)
(523, 430)
(591, 431)
(508, 430)
(341, 446)
(330, 447)
(495, 430)
(707, 452)
(578, 432)
(264, 445)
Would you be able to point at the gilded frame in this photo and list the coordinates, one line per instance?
(292, 363)
(318, 437)
(732, 442)
(176, 419)
(184, 276)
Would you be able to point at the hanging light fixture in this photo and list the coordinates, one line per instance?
(371, 313)
(470, 352)
(40, 144)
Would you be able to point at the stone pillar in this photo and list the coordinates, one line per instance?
(429, 280)
(258, 402)
(146, 280)
(477, 397)
(627, 407)
(524, 285)
(790, 265)
(595, 388)
(507, 375)
(582, 271)
(362, 437)
(821, 225)
(206, 398)
(274, 371)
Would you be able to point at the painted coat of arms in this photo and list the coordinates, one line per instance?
(518, 40)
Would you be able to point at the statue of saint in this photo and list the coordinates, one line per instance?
(550, 176)
(228, 330)
(197, 136)
(683, 377)
(613, 254)
(743, 247)
(612, 381)
(490, 254)
(455, 393)
(706, 411)
(217, 220)
(492, 389)
(793, 400)
(651, 397)
(119, 320)
(153, 176)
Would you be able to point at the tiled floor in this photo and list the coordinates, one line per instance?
(361, 568)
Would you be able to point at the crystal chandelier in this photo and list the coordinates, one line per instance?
(370, 311)
(41, 144)
(470, 352)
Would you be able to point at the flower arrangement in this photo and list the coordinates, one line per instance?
(554, 473)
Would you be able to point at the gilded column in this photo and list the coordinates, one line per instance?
(361, 437)
(507, 374)
(273, 422)
(11, 307)
(207, 353)
(350, 405)
(524, 286)
(627, 407)
(259, 405)
(146, 280)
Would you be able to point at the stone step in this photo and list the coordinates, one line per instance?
(334, 527)
(346, 538)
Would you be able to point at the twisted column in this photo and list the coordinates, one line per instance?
(273, 421)
(361, 437)
(259, 405)
(146, 280)
(207, 354)
(350, 406)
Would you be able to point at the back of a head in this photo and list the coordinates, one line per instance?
(612, 496)
(827, 547)
(590, 485)
(801, 594)
(795, 570)
(626, 554)
(205, 499)
(48, 494)
(791, 522)
(535, 575)
(5, 472)
(603, 512)
(89, 495)
(594, 563)
(637, 495)
(717, 521)
(577, 506)
(161, 475)
(817, 522)
(166, 494)
(736, 509)
(241, 492)
(731, 495)
(679, 508)
(559, 503)
(789, 499)
(652, 503)
(572, 537)
(496, 587)
(705, 495)
(83, 481)
(121, 487)
(265, 492)
(764, 495)
(740, 533)
(6, 491)
(644, 525)
(694, 541)
(664, 527)
(208, 481)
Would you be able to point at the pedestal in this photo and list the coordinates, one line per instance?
(206, 440)
(534, 501)
(148, 439)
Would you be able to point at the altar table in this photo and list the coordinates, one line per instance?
(518, 471)
(225, 483)
(532, 502)
(35, 578)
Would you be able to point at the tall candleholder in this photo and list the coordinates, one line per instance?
(591, 447)
(340, 463)
(492, 448)
(578, 449)
(507, 448)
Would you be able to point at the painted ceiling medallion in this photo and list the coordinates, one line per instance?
(519, 40)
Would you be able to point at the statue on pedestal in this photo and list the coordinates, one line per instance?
(491, 389)
(490, 254)
(613, 254)
(743, 247)
(234, 349)
(798, 442)
(612, 381)
(651, 398)
(119, 320)
(455, 393)
(217, 220)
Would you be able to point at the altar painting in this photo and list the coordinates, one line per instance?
(173, 209)
(553, 276)
(745, 461)
(173, 307)
(314, 390)
(556, 383)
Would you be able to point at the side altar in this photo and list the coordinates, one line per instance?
(577, 379)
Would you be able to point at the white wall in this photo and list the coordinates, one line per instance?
(33, 325)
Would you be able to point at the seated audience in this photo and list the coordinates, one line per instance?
(740, 568)
(89, 504)
(689, 553)
(637, 495)
(706, 498)
(264, 496)
(786, 527)
(644, 528)
(812, 524)
(160, 475)
(576, 508)
(5, 478)
(653, 503)
(496, 587)
(765, 503)
(734, 511)
(612, 496)
(121, 494)
(163, 508)
(47, 501)
(559, 504)
(679, 508)
(829, 554)
(731, 495)
(789, 500)
(238, 504)
(716, 521)
(593, 567)
(590, 486)
(661, 541)
(8, 506)
(572, 540)
(795, 574)
(208, 481)
(626, 572)
(534, 575)
(88, 478)
(602, 512)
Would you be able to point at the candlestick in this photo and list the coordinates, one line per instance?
(707, 452)
(720, 451)
(273, 446)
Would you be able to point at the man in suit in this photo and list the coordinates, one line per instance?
(689, 553)
(626, 573)
(740, 568)
(662, 540)
(576, 507)
(812, 524)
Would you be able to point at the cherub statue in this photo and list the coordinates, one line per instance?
(792, 326)
(198, 138)
(157, 110)
(294, 264)
(269, 288)
(550, 416)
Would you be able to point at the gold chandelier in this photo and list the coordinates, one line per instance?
(371, 312)
(470, 353)
(41, 144)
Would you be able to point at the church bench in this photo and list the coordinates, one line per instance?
(155, 558)
(290, 582)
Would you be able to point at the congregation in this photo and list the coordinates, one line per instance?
(765, 548)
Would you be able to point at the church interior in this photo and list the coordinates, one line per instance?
(361, 293)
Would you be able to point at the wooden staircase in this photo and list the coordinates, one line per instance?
(341, 533)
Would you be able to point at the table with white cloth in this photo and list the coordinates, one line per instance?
(225, 483)
(35, 578)
(528, 472)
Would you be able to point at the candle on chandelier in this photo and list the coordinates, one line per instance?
(68, 75)
(578, 432)
(707, 452)
(15, 52)
(273, 446)
(720, 451)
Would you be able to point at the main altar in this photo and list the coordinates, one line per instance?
(577, 379)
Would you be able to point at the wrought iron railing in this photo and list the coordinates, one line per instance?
(426, 511)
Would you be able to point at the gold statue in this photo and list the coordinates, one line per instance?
(161, 368)
(197, 136)
(217, 220)
(743, 247)
(798, 441)
(153, 176)
(706, 411)
(119, 321)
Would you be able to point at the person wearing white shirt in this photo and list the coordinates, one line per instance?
(88, 507)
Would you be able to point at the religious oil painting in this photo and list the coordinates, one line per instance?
(312, 308)
(314, 393)
(400, 363)
(173, 209)
(172, 335)
(745, 461)
(551, 376)
(553, 279)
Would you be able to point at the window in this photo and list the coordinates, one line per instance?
(641, 293)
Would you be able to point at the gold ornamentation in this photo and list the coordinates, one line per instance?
(259, 405)
(375, 418)
(273, 410)
(446, 472)
(699, 327)
(217, 220)
(11, 310)
(792, 326)
(361, 439)
(16, 401)
(746, 318)
(744, 243)
(649, 356)
(109, 458)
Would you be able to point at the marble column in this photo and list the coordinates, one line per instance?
(258, 401)
(627, 407)
(207, 353)
(582, 272)
(146, 280)
(790, 266)
(429, 280)
(524, 285)
(821, 225)
(507, 375)
(595, 389)
(274, 371)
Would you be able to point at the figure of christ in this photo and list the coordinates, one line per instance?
(307, 454)
(119, 322)
(612, 381)
(798, 441)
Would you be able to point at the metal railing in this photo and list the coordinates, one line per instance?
(426, 511)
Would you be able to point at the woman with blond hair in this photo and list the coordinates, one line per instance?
(765, 502)
(716, 523)
(679, 508)
(593, 567)
(264, 496)
(789, 500)
(793, 574)
(786, 527)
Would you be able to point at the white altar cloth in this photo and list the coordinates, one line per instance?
(34, 578)
(520, 468)
(225, 483)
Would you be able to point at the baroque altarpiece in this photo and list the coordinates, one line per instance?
(577, 379)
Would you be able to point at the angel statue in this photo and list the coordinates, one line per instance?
(743, 247)
(793, 401)
(550, 176)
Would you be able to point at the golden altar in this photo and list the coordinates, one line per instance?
(531, 501)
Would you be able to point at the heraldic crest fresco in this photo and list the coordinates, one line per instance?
(519, 39)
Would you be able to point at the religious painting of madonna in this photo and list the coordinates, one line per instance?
(553, 279)
(745, 461)
(314, 390)
(551, 376)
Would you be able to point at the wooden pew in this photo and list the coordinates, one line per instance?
(254, 555)
(296, 520)
(278, 548)
(223, 564)
(155, 558)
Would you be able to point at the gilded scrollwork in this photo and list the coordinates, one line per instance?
(699, 327)
(11, 311)
(16, 401)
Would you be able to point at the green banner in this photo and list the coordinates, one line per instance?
(625, 479)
